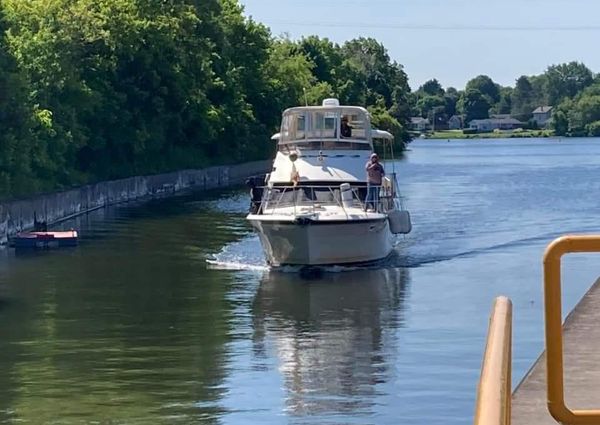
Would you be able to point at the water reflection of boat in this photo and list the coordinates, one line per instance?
(333, 337)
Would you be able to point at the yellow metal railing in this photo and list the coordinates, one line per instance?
(554, 345)
(494, 390)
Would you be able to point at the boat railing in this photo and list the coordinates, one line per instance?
(314, 198)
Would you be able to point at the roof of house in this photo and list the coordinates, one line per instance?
(500, 116)
(460, 117)
(542, 109)
(419, 120)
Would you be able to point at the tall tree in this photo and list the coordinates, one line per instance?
(427, 103)
(325, 55)
(523, 98)
(504, 105)
(474, 105)
(432, 88)
(451, 99)
(368, 77)
(566, 80)
(486, 86)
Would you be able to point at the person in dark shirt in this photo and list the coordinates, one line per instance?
(346, 129)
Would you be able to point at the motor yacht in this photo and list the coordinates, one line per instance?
(311, 208)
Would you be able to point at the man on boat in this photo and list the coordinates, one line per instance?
(346, 129)
(375, 175)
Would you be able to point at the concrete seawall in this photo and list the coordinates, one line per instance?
(17, 216)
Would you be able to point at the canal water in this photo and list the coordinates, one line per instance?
(167, 314)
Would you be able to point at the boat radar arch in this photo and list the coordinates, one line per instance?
(331, 102)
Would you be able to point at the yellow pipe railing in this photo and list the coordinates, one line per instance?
(554, 345)
(494, 389)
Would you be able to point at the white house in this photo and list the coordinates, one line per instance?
(542, 115)
(419, 124)
(491, 124)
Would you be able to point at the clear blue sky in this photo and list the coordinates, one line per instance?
(451, 40)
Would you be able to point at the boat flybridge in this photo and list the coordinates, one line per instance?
(311, 209)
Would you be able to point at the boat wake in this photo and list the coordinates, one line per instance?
(246, 255)
(242, 255)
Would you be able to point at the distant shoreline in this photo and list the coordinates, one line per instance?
(458, 134)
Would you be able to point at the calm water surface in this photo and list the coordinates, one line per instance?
(166, 313)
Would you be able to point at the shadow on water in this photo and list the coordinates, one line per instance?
(332, 335)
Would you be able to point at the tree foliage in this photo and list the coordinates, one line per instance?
(523, 100)
(102, 89)
(432, 88)
(566, 80)
(486, 86)
(474, 105)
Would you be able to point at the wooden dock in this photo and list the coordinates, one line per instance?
(581, 339)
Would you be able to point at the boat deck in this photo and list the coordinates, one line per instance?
(581, 339)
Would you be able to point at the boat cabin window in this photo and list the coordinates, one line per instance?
(325, 129)
(352, 126)
(324, 125)
(302, 195)
(294, 127)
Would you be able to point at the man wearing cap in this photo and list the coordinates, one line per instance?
(375, 174)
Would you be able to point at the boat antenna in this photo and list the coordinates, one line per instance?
(305, 97)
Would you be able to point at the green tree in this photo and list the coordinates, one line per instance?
(451, 99)
(383, 120)
(523, 100)
(432, 88)
(504, 105)
(560, 118)
(474, 105)
(290, 72)
(427, 103)
(109, 88)
(593, 129)
(566, 80)
(20, 158)
(370, 77)
(325, 55)
(486, 86)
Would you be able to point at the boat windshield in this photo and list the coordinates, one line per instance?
(343, 126)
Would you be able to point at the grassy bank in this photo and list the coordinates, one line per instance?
(458, 134)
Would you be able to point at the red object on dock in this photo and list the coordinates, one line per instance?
(45, 239)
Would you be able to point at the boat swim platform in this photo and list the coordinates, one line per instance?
(581, 356)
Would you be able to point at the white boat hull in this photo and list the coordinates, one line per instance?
(324, 242)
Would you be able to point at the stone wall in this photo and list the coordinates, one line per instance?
(17, 216)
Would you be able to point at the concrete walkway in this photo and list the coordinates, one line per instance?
(581, 347)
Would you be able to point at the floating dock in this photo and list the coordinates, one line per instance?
(45, 240)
